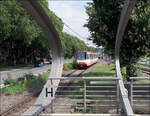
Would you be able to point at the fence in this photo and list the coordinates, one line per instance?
(140, 94)
(82, 95)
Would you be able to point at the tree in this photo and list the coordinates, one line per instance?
(71, 45)
(103, 22)
(22, 40)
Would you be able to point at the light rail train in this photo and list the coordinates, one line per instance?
(86, 58)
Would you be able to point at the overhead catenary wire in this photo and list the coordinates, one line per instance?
(73, 31)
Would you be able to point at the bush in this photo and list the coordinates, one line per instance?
(67, 67)
(74, 64)
(28, 82)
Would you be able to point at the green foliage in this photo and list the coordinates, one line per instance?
(29, 82)
(22, 41)
(71, 45)
(67, 67)
(131, 72)
(103, 23)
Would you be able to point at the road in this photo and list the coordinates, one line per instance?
(20, 72)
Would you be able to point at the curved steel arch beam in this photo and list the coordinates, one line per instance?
(37, 12)
(125, 15)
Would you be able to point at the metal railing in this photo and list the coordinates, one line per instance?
(81, 95)
(140, 92)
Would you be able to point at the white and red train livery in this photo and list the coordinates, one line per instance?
(86, 58)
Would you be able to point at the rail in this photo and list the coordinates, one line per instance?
(138, 78)
(140, 92)
(83, 78)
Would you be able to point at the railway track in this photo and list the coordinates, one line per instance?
(16, 106)
(11, 110)
(22, 103)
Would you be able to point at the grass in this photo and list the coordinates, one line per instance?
(28, 82)
(104, 70)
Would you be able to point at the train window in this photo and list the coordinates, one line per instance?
(81, 56)
(87, 56)
(91, 56)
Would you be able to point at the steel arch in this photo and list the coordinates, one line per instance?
(37, 12)
(125, 15)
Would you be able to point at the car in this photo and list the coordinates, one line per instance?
(39, 64)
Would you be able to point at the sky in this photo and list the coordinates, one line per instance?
(73, 14)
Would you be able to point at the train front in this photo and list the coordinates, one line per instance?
(81, 60)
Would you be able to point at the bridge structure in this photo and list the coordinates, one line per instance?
(37, 12)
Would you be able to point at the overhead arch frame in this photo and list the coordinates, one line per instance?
(37, 12)
(124, 18)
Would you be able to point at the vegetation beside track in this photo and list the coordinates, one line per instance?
(28, 82)
(103, 70)
(69, 66)
(106, 70)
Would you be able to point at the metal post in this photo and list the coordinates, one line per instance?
(52, 99)
(117, 104)
(0, 91)
(131, 92)
(84, 96)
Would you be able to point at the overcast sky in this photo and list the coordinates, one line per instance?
(72, 14)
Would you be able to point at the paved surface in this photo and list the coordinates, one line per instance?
(20, 72)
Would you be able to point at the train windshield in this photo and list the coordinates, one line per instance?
(81, 56)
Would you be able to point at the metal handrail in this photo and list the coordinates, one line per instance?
(83, 78)
(136, 78)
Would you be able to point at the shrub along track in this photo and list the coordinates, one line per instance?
(25, 103)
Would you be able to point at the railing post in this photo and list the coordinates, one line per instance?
(84, 96)
(51, 99)
(117, 98)
(131, 92)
